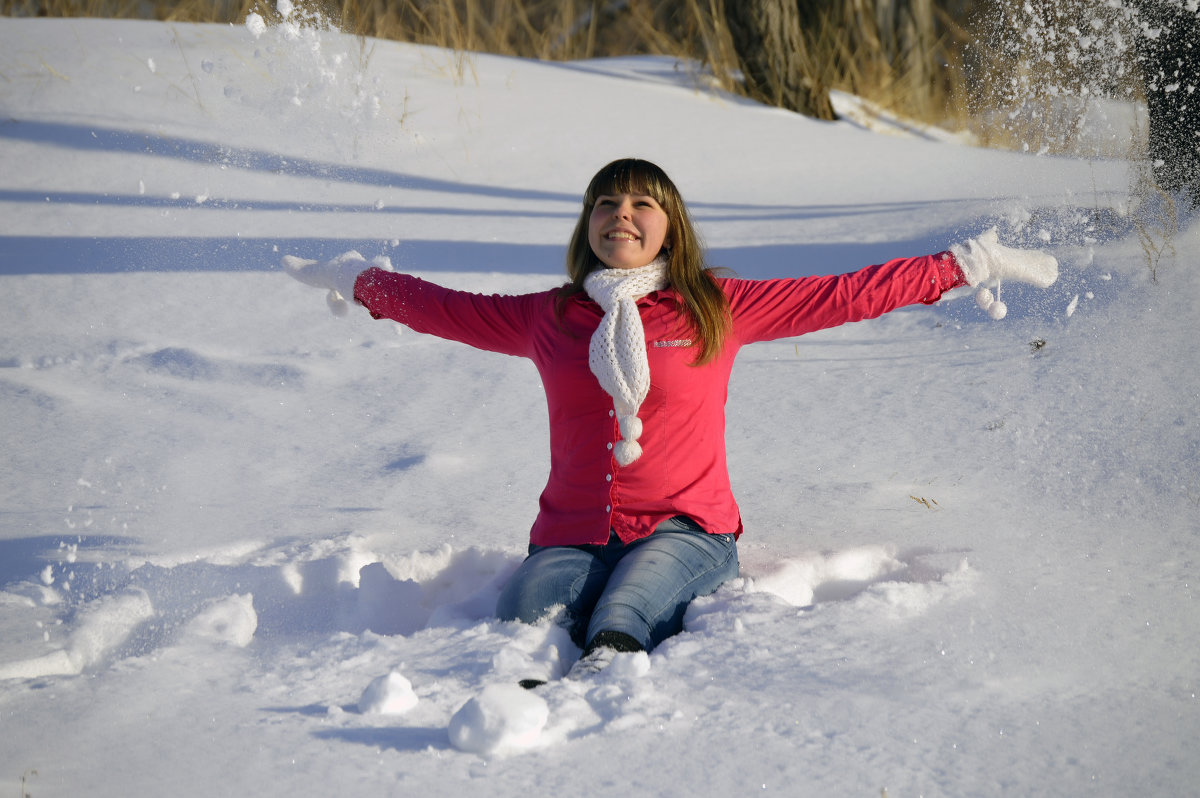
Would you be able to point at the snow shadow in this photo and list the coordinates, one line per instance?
(20, 558)
(89, 138)
(802, 260)
(115, 255)
(391, 738)
(132, 254)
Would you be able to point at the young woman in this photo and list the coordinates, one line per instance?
(635, 352)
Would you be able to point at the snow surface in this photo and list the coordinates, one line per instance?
(248, 546)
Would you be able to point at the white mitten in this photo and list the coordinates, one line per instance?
(985, 260)
(336, 276)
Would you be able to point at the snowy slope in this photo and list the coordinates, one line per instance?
(969, 564)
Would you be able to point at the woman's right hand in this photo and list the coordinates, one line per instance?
(336, 276)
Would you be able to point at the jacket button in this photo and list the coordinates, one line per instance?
(608, 478)
(612, 413)
(608, 508)
(610, 446)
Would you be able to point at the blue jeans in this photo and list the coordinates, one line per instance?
(641, 589)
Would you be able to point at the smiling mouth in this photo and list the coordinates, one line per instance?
(620, 235)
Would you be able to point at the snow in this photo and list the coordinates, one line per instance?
(248, 545)
(390, 694)
(502, 719)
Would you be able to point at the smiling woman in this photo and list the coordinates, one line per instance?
(703, 303)
(626, 231)
(638, 517)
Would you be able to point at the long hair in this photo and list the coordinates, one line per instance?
(705, 305)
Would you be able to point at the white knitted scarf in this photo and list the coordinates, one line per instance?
(617, 354)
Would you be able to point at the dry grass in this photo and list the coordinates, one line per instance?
(902, 55)
(1155, 216)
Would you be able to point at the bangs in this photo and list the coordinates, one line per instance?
(632, 176)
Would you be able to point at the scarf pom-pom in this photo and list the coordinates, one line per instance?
(626, 452)
(631, 427)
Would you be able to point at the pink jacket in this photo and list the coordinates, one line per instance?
(682, 469)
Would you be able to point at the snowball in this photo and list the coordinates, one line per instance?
(391, 694)
(337, 304)
(501, 719)
(256, 25)
(626, 667)
(228, 620)
(383, 261)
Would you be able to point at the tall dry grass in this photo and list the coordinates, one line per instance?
(904, 55)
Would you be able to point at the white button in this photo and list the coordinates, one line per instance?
(608, 509)
(612, 413)
(608, 478)
(610, 446)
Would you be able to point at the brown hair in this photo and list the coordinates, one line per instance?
(704, 303)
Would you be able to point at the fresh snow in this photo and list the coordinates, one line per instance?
(250, 546)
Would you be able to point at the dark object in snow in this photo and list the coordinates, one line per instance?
(597, 656)
(1169, 51)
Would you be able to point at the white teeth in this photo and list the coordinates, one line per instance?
(623, 236)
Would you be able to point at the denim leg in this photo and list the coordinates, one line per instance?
(657, 577)
(570, 577)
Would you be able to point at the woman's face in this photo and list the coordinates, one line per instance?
(626, 231)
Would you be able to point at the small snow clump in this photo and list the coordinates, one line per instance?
(390, 694)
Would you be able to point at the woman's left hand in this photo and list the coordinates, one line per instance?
(985, 261)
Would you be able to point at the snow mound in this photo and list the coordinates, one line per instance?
(228, 620)
(101, 627)
(802, 581)
(390, 694)
(502, 719)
